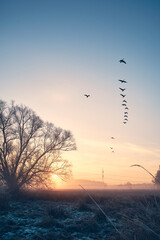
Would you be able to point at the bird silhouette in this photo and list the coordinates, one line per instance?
(112, 151)
(122, 89)
(123, 104)
(112, 138)
(122, 95)
(125, 119)
(125, 116)
(111, 148)
(122, 81)
(124, 122)
(125, 112)
(126, 108)
(86, 95)
(125, 101)
(122, 61)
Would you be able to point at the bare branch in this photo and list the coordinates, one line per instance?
(29, 148)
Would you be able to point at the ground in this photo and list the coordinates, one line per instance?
(67, 215)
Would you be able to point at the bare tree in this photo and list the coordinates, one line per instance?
(30, 149)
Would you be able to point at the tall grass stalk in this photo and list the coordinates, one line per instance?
(109, 220)
(139, 223)
(137, 165)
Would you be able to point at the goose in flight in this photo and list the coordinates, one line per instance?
(126, 108)
(123, 95)
(124, 122)
(125, 112)
(112, 138)
(122, 89)
(86, 95)
(122, 81)
(122, 61)
(125, 101)
(123, 104)
(111, 148)
(125, 119)
(125, 116)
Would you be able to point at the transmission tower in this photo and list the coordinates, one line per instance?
(102, 175)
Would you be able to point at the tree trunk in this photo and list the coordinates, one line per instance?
(12, 186)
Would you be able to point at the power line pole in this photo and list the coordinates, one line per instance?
(103, 175)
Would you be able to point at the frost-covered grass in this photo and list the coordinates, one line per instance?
(58, 215)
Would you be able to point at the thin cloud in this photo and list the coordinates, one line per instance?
(142, 149)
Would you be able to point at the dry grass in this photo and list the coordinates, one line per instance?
(73, 215)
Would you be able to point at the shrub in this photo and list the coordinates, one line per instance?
(48, 221)
(82, 207)
(56, 212)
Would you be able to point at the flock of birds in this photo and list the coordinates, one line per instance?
(111, 148)
(124, 102)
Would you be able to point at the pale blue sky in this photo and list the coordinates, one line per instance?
(52, 52)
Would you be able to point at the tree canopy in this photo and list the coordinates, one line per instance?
(30, 149)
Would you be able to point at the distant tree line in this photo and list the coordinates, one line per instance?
(156, 180)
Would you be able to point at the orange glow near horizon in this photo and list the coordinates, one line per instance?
(73, 49)
(94, 155)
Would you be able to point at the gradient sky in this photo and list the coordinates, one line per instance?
(53, 52)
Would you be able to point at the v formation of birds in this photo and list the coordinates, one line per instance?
(124, 102)
(123, 94)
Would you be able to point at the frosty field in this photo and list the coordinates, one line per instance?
(67, 215)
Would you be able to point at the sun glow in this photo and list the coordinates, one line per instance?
(54, 176)
(56, 180)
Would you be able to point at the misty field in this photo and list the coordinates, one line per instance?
(60, 215)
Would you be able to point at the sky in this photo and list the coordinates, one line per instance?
(55, 51)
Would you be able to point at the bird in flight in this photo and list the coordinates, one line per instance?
(122, 81)
(122, 95)
(126, 116)
(122, 61)
(123, 104)
(111, 148)
(86, 95)
(122, 89)
(125, 101)
(112, 138)
(125, 119)
(126, 108)
(125, 112)
(124, 122)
